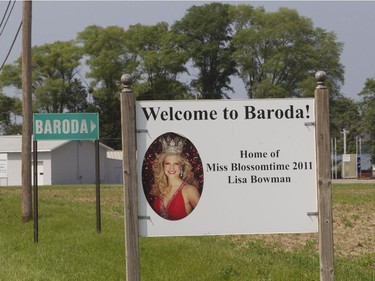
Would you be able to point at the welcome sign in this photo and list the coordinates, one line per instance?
(252, 164)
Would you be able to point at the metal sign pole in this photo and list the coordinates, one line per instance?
(36, 228)
(97, 172)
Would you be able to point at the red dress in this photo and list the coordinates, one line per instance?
(175, 209)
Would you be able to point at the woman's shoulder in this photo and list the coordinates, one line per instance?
(189, 188)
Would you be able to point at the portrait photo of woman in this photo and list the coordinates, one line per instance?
(172, 176)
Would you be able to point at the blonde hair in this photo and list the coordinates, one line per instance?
(160, 186)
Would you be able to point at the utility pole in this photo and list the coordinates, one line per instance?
(26, 111)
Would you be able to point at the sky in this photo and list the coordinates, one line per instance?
(353, 23)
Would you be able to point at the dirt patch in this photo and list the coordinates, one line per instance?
(353, 232)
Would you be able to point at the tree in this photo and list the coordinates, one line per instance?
(368, 111)
(278, 53)
(108, 58)
(345, 114)
(10, 108)
(55, 76)
(56, 85)
(160, 62)
(205, 34)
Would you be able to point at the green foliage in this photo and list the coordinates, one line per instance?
(345, 114)
(55, 84)
(10, 75)
(54, 77)
(10, 108)
(107, 55)
(160, 62)
(108, 58)
(205, 34)
(368, 111)
(278, 53)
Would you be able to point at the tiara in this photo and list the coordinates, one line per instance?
(174, 145)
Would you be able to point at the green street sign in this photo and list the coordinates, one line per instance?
(66, 126)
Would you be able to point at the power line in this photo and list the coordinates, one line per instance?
(5, 24)
(6, 11)
(11, 47)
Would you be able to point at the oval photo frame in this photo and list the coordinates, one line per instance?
(191, 175)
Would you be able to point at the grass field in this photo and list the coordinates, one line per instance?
(69, 247)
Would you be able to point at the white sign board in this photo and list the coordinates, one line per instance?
(254, 163)
(346, 158)
(3, 165)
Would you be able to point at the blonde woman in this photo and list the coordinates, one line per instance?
(175, 188)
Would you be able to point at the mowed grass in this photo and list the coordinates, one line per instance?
(70, 248)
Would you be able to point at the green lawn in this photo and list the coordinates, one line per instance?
(69, 247)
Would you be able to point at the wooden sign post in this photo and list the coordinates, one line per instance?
(129, 164)
(324, 180)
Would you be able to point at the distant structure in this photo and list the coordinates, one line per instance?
(60, 162)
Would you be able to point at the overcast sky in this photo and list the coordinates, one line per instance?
(352, 21)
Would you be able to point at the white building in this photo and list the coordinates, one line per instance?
(60, 162)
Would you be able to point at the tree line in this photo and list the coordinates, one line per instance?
(275, 54)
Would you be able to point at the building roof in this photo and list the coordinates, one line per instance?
(114, 154)
(14, 144)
